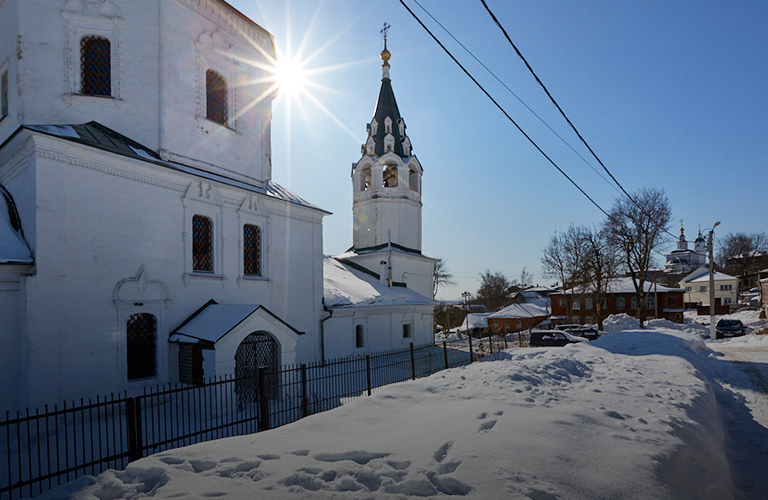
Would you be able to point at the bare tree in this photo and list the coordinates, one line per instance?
(562, 260)
(636, 229)
(441, 277)
(599, 266)
(494, 289)
(742, 253)
(526, 278)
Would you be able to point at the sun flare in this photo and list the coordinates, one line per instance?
(291, 77)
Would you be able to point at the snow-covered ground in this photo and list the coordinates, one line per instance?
(657, 413)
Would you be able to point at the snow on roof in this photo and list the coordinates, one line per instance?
(13, 248)
(344, 286)
(702, 274)
(514, 311)
(625, 285)
(475, 320)
(215, 321)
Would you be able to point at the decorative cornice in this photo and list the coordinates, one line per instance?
(222, 13)
(99, 167)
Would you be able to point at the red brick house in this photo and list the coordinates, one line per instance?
(662, 302)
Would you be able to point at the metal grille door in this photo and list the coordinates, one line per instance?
(141, 344)
(256, 350)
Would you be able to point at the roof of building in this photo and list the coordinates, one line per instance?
(98, 136)
(702, 274)
(519, 311)
(13, 247)
(345, 285)
(624, 285)
(213, 321)
(473, 321)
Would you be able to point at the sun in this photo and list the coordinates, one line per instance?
(291, 77)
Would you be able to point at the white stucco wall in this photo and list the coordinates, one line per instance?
(160, 52)
(99, 219)
(383, 329)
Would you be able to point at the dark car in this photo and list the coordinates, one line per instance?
(548, 338)
(587, 332)
(729, 328)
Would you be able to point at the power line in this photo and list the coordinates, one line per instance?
(530, 69)
(501, 108)
(515, 95)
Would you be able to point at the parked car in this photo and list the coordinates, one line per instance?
(566, 327)
(587, 332)
(548, 338)
(729, 328)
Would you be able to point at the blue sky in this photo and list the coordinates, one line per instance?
(668, 94)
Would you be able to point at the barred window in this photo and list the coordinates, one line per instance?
(141, 343)
(202, 243)
(359, 336)
(251, 250)
(215, 97)
(95, 66)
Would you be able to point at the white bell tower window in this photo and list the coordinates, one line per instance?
(389, 176)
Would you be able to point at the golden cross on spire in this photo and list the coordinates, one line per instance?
(384, 31)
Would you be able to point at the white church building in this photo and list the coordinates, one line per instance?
(142, 240)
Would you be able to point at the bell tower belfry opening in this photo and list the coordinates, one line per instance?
(387, 191)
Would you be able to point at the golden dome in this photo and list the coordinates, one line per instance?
(385, 55)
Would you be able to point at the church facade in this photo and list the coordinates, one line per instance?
(142, 240)
(135, 171)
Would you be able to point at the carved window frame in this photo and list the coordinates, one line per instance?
(77, 27)
(203, 199)
(252, 212)
(215, 53)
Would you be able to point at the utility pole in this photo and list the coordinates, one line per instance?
(712, 332)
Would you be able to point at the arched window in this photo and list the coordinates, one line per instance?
(251, 250)
(141, 346)
(202, 243)
(365, 179)
(359, 336)
(215, 97)
(95, 66)
(413, 180)
(389, 176)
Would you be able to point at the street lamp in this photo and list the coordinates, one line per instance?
(712, 331)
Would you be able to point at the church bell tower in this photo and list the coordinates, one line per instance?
(386, 206)
(387, 178)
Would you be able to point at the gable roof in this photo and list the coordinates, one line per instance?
(98, 136)
(213, 321)
(525, 310)
(701, 275)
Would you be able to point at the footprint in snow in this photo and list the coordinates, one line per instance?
(486, 426)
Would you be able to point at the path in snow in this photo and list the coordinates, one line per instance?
(744, 405)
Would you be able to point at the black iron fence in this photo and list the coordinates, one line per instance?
(47, 447)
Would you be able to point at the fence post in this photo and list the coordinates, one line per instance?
(133, 420)
(368, 372)
(471, 354)
(445, 354)
(413, 363)
(304, 395)
(490, 345)
(263, 384)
